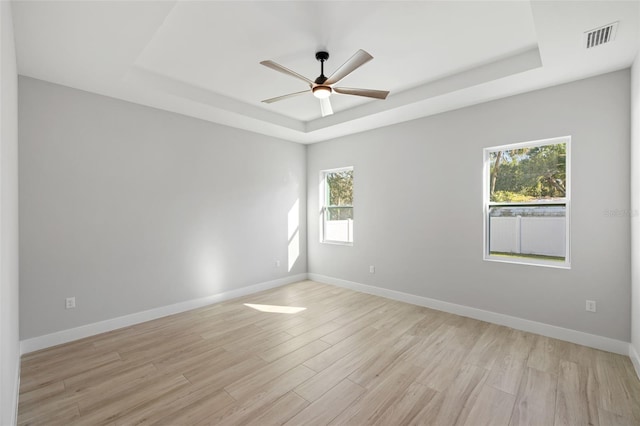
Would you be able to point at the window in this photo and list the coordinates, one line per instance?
(337, 206)
(527, 203)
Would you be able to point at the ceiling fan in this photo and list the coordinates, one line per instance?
(322, 87)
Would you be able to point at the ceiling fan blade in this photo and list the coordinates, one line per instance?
(356, 61)
(279, 98)
(284, 70)
(325, 107)
(378, 94)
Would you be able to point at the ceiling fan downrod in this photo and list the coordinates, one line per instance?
(321, 56)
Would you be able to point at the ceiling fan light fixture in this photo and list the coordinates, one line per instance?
(321, 92)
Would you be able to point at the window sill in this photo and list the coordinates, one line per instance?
(529, 262)
(337, 243)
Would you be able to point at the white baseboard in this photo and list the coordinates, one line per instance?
(65, 336)
(635, 359)
(574, 336)
(569, 335)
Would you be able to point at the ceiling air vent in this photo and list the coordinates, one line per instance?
(599, 36)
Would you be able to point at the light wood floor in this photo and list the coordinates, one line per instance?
(349, 358)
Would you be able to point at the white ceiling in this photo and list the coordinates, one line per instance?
(201, 58)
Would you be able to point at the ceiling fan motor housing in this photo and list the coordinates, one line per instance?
(322, 56)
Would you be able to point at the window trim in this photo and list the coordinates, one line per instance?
(487, 204)
(322, 192)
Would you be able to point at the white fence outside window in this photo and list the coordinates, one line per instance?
(528, 235)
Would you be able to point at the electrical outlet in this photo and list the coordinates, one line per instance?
(591, 305)
(70, 303)
(372, 269)
(277, 263)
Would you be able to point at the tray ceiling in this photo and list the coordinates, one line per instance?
(202, 58)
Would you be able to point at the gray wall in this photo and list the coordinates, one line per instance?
(129, 208)
(418, 207)
(9, 339)
(635, 206)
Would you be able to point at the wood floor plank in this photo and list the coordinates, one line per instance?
(329, 377)
(616, 390)
(98, 387)
(428, 413)
(190, 408)
(182, 360)
(612, 419)
(356, 342)
(510, 364)
(361, 312)
(486, 350)
(347, 358)
(442, 370)
(507, 373)
(125, 403)
(226, 326)
(347, 330)
(262, 398)
(221, 338)
(155, 351)
(148, 388)
(280, 411)
(430, 346)
(34, 379)
(92, 389)
(247, 385)
(467, 332)
(406, 407)
(61, 416)
(576, 399)
(374, 403)
(288, 346)
(376, 366)
(279, 323)
(36, 396)
(492, 407)
(218, 375)
(459, 397)
(314, 322)
(260, 343)
(440, 362)
(535, 403)
(547, 353)
(44, 357)
(328, 406)
(432, 320)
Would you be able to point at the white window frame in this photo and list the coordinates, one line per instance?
(324, 199)
(487, 204)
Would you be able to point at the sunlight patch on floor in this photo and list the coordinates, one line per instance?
(275, 308)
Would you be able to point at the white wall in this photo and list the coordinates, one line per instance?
(130, 208)
(9, 339)
(427, 175)
(635, 217)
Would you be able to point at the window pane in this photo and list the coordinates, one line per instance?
(529, 174)
(340, 188)
(537, 232)
(339, 213)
